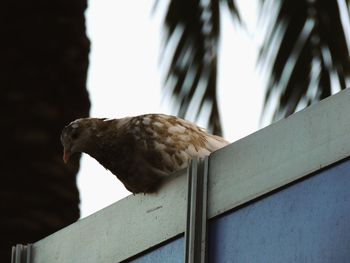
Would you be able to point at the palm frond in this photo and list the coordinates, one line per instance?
(192, 30)
(310, 60)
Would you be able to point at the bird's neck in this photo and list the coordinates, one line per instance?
(105, 149)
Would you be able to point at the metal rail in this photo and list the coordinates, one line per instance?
(21, 254)
(196, 226)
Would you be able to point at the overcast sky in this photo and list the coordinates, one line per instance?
(125, 79)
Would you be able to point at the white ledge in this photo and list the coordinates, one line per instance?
(280, 153)
(121, 230)
(270, 158)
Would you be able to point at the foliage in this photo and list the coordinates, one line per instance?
(305, 53)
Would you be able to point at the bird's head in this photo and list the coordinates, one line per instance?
(76, 136)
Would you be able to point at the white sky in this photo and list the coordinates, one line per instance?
(125, 79)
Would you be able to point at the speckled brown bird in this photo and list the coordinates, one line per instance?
(141, 151)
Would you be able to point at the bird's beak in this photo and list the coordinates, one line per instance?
(66, 155)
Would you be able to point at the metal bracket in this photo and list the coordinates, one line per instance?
(196, 226)
(21, 253)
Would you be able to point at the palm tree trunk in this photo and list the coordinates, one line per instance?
(43, 67)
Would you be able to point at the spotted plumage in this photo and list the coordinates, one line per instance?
(141, 151)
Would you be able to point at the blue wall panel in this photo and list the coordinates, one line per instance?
(306, 222)
(172, 252)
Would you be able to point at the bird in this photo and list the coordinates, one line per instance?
(142, 151)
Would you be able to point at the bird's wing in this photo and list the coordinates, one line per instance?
(168, 143)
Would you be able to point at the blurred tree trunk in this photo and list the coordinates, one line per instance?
(43, 67)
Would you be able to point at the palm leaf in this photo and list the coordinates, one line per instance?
(193, 28)
(310, 59)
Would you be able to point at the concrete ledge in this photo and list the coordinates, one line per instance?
(280, 153)
(121, 230)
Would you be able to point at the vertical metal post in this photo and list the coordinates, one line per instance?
(21, 253)
(196, 226)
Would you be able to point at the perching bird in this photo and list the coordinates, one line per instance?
(141, 151)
